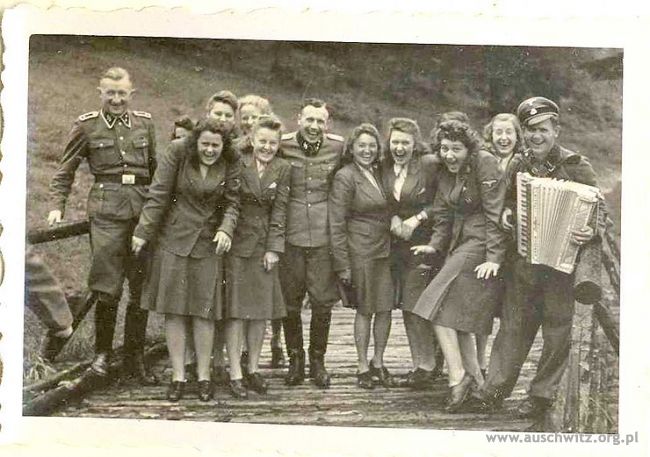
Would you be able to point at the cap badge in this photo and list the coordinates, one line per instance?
(533, 112)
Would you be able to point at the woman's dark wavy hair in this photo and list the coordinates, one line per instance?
(487, 132)
(444, 117)
(212, 126)
(368, 129)
(454, 130)
(405, 125)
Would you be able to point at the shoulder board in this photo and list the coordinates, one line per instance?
(90, 115)
(289, 136)
(142, 114)
(335, 137)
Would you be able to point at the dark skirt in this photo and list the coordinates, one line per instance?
(252, 292)
(411, 274)
(373, 285)
(185, 286)
(457, 299)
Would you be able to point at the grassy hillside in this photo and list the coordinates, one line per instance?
(361, 82)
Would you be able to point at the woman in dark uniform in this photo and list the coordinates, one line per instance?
(191, 210)
(409, 179)
(461, 299)
(359, 224)
(253, 293)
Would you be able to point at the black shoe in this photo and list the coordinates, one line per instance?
(296, 373)
(256, 383)
(459, 394)
(364, 380)
(101, 364)
(318, 373)
(382, 375)
(480, 403)
(534, 408)
(205, 390)
(277, 358)
(175, 390)
(243, 363)
(220, 376)
(136, 369)
(484, 373)
(237, 388)
(421, 379)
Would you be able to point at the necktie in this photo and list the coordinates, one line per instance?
(400, 172)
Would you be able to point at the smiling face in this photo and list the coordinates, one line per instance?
(209, 146)
(223, 113)
(248, 115)
(504, 137)
(115, 95)
(365, 150)
(401, 146)
(540, 137)
(313, 122)
(266, 143)
(453, 154)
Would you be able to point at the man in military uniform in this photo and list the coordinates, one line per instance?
(536, 294)
(120, 146)
(306, 266)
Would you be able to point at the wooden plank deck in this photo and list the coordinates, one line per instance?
(343, 404)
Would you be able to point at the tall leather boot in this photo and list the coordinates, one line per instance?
(105, 314)
(135, 327)
(293, 337)
(319, 330)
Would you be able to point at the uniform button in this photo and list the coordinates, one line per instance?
(121, 138)
(101, 186)
(309, 191)
(309, 178)
(308, 205)
(101, 145)
(125, 165)
(123, 152)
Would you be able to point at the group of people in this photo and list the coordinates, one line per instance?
(237, 221)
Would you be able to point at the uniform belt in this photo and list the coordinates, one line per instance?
(120, 179)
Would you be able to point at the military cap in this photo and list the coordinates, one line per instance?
(537, 109)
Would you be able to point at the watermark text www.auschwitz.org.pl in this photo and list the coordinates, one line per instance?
(614, 438)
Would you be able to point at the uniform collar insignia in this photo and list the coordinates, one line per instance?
(110, 119)
(310, 149)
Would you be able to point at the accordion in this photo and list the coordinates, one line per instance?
(548, 210)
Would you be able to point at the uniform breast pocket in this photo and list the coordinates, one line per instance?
(325, 170)
(140, 147)
(297, 170)
(102, 154)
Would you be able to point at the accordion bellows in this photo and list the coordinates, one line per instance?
(548, 210)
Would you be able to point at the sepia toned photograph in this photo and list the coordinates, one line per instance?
(323, 233)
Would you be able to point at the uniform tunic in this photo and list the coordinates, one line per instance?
(117, 150)
(183, 212)
(252, 292)
(466, 210)
(307, 264)
(410, 274)
(359, 223)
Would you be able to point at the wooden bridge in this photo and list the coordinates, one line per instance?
(343, 404)
(587, 400)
